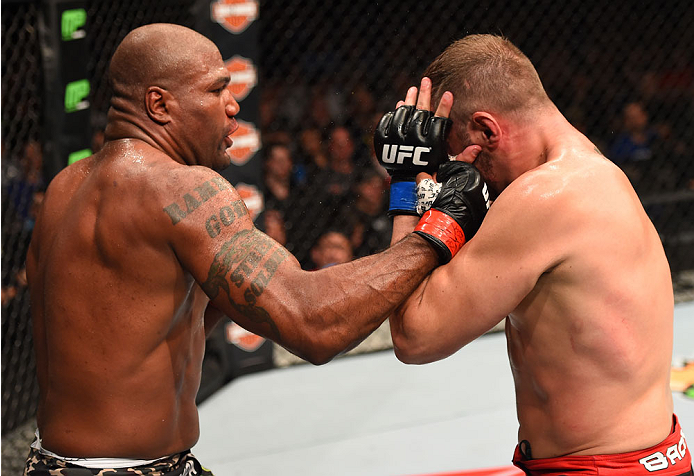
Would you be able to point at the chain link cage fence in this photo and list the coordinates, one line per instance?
(23, 184)
(622, 72)
(21, 193)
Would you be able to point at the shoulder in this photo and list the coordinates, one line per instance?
(71, 175)
(535, 192)
(545, 205)
(159, 193)
(190, 188)
(62, 189)
(564, 184)
(147, 178)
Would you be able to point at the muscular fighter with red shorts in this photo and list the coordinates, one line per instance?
(566, 254)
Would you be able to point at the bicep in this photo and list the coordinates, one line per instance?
(233, 262)
(245, 279)
(212, 235)
(481, 284)
(462, 300)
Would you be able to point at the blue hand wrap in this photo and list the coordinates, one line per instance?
(403, 198)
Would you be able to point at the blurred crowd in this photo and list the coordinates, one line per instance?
(321, 175)
(23, 189)
(325, 195)
(640, 118)
(321, 179)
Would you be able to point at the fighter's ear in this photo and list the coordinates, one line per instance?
(487, 129)
(157, 104)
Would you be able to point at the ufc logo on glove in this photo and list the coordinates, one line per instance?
(461, 199)
(395, 154)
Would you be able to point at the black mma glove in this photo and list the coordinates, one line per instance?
(458, 211)
(409, 141)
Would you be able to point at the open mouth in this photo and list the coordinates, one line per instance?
(228, 140)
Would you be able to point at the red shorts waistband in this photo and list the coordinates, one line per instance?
(671, 457)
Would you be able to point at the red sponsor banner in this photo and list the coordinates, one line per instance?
(244, 76)
(242, 338)
(234, 15)
(246, 142)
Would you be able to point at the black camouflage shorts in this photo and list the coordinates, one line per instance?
(181, 464)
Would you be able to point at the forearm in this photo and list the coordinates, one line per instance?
(343, 304)
(315, 314)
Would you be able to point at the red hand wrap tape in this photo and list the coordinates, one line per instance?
(443, 227)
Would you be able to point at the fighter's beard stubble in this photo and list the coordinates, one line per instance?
(483, 163)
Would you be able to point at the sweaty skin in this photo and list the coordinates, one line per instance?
(569, 255)
(141, 247)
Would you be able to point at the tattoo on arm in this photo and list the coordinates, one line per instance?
(225, 217)
(190, 201)
(249, 260)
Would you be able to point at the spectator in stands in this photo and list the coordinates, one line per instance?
(14, 296)
(16, 238)
(277, 176)
(676, 170)
(635, 142)
(339, 175)
(669, 109)
(269, 106)
(22, 196)
(22, 200)
(637, 147)
(333, 247)
(273, 125)
(324, 201)
(319, 114)
(370, 226)
(9, 291)
(9, 166)
(360, 112)
(21, 190)
(312, 152)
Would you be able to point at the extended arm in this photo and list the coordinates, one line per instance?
(484, 283)
(261, 286)
(315, 314)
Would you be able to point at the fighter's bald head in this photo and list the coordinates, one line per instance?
(159, 54)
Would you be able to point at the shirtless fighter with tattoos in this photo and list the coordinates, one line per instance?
(142, 247)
